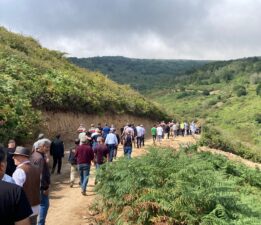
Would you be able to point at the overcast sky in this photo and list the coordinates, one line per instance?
(173, 29)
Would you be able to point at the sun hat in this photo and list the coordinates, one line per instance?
(22, 151)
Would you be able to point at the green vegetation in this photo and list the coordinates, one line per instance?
(34, 78)
(186, 187)
(225, 96)
(141, 74)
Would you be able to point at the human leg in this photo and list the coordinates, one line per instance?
(59, 165)
(86, 173)
(54, 164)
(44, 205)
(72, 174)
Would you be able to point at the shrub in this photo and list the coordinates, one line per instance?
(205, 92)
(164, 187)
(240, 90)
(213, 138)
(258, 117)
(258, 89)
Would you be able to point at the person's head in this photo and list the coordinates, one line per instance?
(21, 155)
(77, 141)
(43, 145)
(100, 140)
(84, 140)
(58, 136)
(2, 162)
(92, 125)
(11, 143)
(40, 136)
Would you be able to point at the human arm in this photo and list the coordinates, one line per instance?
(25, 221)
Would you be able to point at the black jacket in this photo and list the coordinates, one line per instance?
(57, 148)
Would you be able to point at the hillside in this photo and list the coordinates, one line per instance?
(141, 74)
(227, 96)
(34, 78)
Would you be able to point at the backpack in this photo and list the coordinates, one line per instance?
(128, 140)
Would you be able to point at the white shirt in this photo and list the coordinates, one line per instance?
(159, 131)
(139, 131)
(111, 139)
(8, 179)
(19, 177)
(143, 130)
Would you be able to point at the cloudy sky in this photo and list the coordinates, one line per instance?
(173, 29)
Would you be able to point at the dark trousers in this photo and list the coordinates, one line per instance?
(139, 142)
(55, 161)
(142, 140)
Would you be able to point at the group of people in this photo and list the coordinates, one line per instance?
(173, 129)
(100, 145)
(24, 183)
(25, 174)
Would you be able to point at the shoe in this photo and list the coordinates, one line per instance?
(84, 193)
(71, 184)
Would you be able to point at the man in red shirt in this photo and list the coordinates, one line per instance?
(101, 153)
(84, 155)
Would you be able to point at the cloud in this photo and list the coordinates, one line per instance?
(194, 29)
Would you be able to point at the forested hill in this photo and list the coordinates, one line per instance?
(142, 74)
(34, 78)
(227, 96)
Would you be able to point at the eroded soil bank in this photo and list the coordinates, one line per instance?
(66, 123)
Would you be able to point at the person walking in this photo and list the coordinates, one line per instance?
(27, 176)
(139, 136)
(73, 161)
(127, 144)
(57, 151)
(154, 133)
(159, 133)
(38, 158)
(101, 154)
(3, 176)
(143, 131)
(84, 155)
(10, 162)
(111, 141)
(14, 206)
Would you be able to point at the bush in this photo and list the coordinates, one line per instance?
(213, 138)
(164, 187)
(240, 90)
(258, 117)
(258, 89)
(205, 92)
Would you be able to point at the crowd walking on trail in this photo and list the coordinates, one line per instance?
(25, 174)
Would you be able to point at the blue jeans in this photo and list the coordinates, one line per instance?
(127, 151)
(111, 148)
(44, 205)
(84, 170)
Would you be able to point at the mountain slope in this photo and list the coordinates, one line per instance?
(34, 78)
(226, 95)
(141, 74)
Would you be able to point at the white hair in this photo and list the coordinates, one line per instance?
(42, 142)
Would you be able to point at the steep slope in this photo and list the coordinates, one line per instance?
(141, 74)
(227, 96)
(34, 78)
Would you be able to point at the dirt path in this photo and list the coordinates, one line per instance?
(68, 206)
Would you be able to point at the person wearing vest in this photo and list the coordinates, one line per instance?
(27, 176)
(38, 158)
